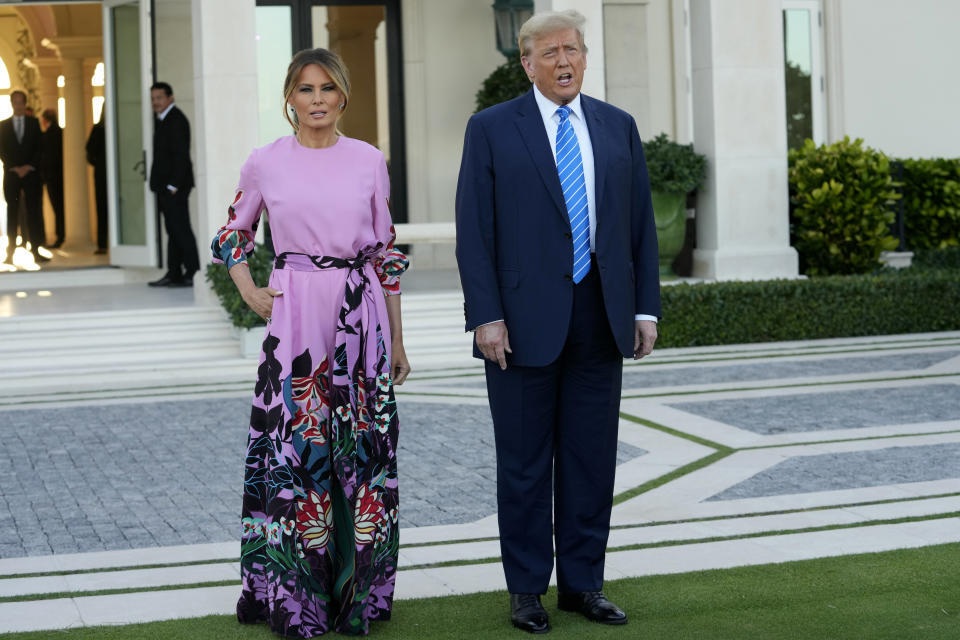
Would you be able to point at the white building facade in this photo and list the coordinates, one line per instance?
(710, 72)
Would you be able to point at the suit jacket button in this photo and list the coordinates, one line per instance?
(568, 235)
(567, 277)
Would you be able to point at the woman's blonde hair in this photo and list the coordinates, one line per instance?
(330, 62)
(547, 22)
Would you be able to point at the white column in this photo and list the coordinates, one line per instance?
(49, 68)
(75, 192)
(225, 130)
(739, 106)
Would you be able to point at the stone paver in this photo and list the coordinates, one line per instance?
(851, 470)
(833, 409)
(170, 473)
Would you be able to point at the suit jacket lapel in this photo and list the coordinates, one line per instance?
(534, 135)
(599, 144)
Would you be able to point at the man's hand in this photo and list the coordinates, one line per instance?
(493, 342)
(644, 335)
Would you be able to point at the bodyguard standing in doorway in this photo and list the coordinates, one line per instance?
(21, 152)
(557, 251)
(52, 171)
(171, 178)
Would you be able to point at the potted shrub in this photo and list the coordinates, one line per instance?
(675, 170)
(249, 324)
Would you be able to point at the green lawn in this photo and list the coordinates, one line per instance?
(900, 595)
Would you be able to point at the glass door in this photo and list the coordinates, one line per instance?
(803, 67)
(129, 132)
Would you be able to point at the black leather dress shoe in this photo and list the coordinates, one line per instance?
(165, 281)
(186, 282)
(528, 614)
(593, 605)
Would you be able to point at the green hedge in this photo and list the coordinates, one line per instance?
(261, 264)
(931, 203)
(842, 195)
(910, 301)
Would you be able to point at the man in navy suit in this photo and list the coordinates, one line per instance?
(560, 281)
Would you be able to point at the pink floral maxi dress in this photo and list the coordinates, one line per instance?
(320, 539)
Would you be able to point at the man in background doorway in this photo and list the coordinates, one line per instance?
(21, 152)
(97, 156)
(51, 169)
(171, 178)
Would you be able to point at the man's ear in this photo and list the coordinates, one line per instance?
(527, 66)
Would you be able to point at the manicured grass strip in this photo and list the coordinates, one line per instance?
(690, 541)
(866, 439)
(71, 572)
(495, 559)
(110, 592)
(755, 514)
(110, 396)
(701, 392)
(650, 485)
(674, 432)
(896, 595)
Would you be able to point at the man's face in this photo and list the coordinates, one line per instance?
(159, 100)
(19, 104)
(555, 63)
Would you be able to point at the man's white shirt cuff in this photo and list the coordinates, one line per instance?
(643, 316)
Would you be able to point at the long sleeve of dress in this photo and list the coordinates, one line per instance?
(235, 240)
(390, 263)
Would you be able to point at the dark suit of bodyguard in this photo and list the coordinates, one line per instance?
(21, 151)
(555, 338)
(171, 178)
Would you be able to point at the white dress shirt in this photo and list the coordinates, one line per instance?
(161, 116)
(551, 121)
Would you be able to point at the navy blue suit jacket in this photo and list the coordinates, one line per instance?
(514, 247)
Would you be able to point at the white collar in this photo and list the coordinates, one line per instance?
(163, 114)
(548, 108)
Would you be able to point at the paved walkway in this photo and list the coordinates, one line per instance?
(831, 444)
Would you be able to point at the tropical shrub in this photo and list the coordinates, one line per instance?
(841, 196)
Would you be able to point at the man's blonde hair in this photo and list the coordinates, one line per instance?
(547, 22)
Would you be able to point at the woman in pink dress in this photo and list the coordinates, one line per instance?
(320, 539)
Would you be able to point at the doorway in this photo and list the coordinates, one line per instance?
(366, 34)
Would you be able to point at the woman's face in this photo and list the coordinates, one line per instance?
(316, 99)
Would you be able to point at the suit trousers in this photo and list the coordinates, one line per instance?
(30, 188)
(556, 440)
(182, 257)
(55, 193)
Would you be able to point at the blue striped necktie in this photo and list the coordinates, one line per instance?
(570, 168)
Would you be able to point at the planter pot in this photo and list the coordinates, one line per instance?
(251, 340)
(670, 212)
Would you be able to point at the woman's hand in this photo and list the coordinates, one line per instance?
(400, 366)
(260, 300)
